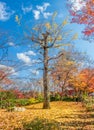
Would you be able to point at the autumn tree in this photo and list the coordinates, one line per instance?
(64, 68)
(86, 78)
(49, 39)
(4, 70)
(83, 82)
(84, 14)
(4, 78)
(8, 66)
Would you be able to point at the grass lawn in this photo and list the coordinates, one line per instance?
(68, 116)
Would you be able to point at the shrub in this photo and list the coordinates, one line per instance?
(55, 97)
(22, 102)
(88, 102)
(7, 98)
(41, 124)
(7, 103)
(18, 102)
(7, 95)
(40, 98)
(52, 98)
(71, 99)
(10, 109)
(3, 104)
(33, 101)
(14, 102)
(68, 99)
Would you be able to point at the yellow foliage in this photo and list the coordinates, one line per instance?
(59, 37)
(75, 36)
(48, 25)
(50, 39)
(64, 22)
(61, 45)
(55, 25)
(70, 62)
(17, 19)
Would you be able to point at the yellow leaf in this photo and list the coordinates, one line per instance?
(54, 14)
(55, 25)
(50, 39)
(70, 63)
(48, 25)
(59, 37)
(17, 19)
(64, 22)
(75, 36)
(61, 45)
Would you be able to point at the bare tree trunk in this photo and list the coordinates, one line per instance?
(46, 104)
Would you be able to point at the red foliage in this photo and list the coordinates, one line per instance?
(4, 78)
(84, 16)
(30, 94)
(70, 92)
(18, 94)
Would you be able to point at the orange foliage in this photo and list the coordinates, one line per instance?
(85, 80)
(63, 70)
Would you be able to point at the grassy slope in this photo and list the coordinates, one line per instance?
(70, 115)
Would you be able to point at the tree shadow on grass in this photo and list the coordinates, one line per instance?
(78, 124)
(41, 124)
(45, 124)
(78, 120)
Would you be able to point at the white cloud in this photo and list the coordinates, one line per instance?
(22, 56)
(36, 14)
(35, 61)
(25, 57)
(5, 12)
(8, 69)
(36, 72)
(30, 53)
(11, 43)
(46, 5)
(43, 8)
(26, 9)
(46, 14)
(40, 8)
(77, 4)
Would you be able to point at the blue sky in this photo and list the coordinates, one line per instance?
(29, 13)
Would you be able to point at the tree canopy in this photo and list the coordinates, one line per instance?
(83, 15)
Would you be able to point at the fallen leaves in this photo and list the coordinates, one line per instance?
(70, 115)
